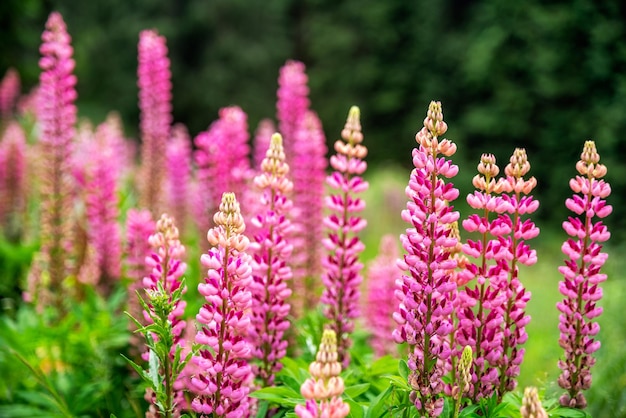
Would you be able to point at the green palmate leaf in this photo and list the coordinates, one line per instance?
(384, 365)
(291, 382)
(356, 409)
(356, 390)
(469, 412)
(263, 407)
(398, 381)
(140, 371)
(153, 371)
(403, 370)
(378, 408)
(284, 396)
(569, 413)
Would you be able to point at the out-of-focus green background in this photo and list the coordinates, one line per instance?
(541, 75)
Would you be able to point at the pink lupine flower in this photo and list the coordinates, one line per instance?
(308, 170)
(325, 385)
(179, 174)
(270, 269)
(381, 276)
(262, 137)
(479, 305)
(519, 204)
(582, 276)
(155, 105)
(292, 104)
(342, 269)
(531, 405)
(139, 227)
(9, 93)
(222, 158)
(424, 311)
(12, 180)
(224, 383)
(57, 118)
(167, 268)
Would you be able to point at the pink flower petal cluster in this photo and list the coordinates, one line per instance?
(56, 113)
(379, 305)
(12, 180)
(224, 383)
(324, 389)
(308, 167)
(9, 92)
(155, 105)
(262, 137)
(292, 102)
(342, 269)
(582, 276)
(179, 174)
(222, 158)
(270, 252)
(424, 312)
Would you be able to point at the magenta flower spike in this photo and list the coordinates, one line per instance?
(57, 118)
(308, 170)
(581, 275)
(223, 160)
(9, 92)
(479, 304)
(179, 174)
(167, 268)
(424, 311)
(380, 304)
(292, 103)
(155, 105)
(12, 180)
(262, 138)
(271, 250)
(342, 269)
(519, 204)
(325, 385)
(224, 383)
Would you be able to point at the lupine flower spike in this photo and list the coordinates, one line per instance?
(520, 204)
(381, 276)
(155, 105)
(224, 384)
(179, 174)
(582, 276)
(463, 378)
(424, 310)
(164, 310)
(271, 250)
(531, 405)
(325, 385)
(478, 306)
(57, 119)
(9, 92)
(342, 269)
(12, 180)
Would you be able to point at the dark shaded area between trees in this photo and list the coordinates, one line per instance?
(541, 75)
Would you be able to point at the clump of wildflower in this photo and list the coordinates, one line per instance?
(342, 269)
(224, 383)
(519, 204)
(57, 118)
(582, 276)
(271, 250)
(381, 276)
(325, 385)
(531, 405)
(155, 105)
(424, 310)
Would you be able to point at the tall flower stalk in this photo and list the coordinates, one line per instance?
(12, 180)
(179, 174)
(10, 87)
(224, 383)
(155, 105)
(520, 204)
(57, 119)
(581, 275)
(424, 309)
(325, 385)
(271, 250)
(342, 269)
(479, 309)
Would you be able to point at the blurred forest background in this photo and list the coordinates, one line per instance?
(541, 75)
